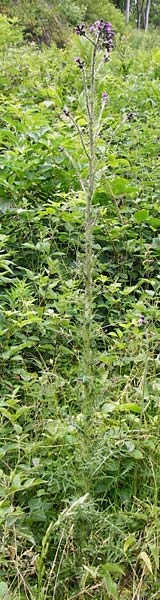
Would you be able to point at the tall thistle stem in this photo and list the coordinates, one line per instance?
(101, 39)
(88, 308)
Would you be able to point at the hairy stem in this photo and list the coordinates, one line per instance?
(88, 309)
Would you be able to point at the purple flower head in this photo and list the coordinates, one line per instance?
(79, 62)
(104, 33)
(80, 29)
(108, 27)
(142, 320)
(104, 96)
(99, 25)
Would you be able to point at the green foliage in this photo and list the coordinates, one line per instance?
(39, 20)
(10, 34)
(105, 10)
(73, 12)
(79, 495)
(44, 21)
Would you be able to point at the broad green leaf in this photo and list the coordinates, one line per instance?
(122, 186)
(16, 482)
(154, 222)
(130, 445)
(137, 454)
(4, 591)
(141, 216)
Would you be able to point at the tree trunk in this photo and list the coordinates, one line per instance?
(140, 13)
(147, 11)
(138, 19)
(127, 11)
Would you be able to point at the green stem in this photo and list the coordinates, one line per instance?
(88, 309)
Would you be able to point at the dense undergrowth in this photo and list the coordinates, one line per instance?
(79, 491)
(42, 21)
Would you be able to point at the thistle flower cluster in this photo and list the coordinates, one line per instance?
(100, 34)
(104, 31)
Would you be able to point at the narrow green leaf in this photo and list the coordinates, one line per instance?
(146, 560)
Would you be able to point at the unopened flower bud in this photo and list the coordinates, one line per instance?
(142, 320)
(66, 111)
(79, 62)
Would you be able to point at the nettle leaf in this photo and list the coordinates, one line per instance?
(154, 222)
(115, 162)
(141, 216)
(121, 186)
